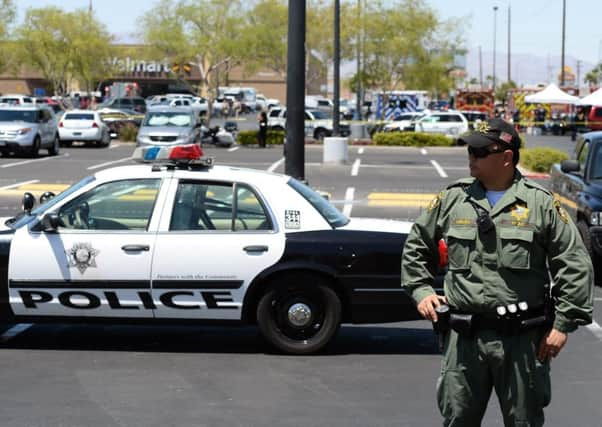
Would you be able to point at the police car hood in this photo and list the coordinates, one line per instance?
(378, 225)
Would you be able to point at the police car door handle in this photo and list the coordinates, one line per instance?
(256, 248)
(135, 248)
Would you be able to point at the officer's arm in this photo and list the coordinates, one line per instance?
(420, 256)
(572, 272)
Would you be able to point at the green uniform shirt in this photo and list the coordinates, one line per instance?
(534, 242)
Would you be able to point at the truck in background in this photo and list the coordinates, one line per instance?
(476, 100)
(577, 183)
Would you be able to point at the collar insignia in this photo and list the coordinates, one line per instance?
(482, 127)
(82, 256)
(520, 213)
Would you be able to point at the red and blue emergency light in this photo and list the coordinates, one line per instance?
(186, 154)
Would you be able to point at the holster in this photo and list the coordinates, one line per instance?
(441, 326)
(462, 323)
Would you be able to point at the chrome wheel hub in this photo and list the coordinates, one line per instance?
(299, 314)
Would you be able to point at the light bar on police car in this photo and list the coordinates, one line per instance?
(190, 154)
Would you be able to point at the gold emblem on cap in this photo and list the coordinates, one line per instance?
(482, 127)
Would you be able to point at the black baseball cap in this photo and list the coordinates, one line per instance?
(491, 132)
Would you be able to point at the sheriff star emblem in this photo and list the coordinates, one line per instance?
(520, 213)
(564, 216)
(82, 256)
(482, 127)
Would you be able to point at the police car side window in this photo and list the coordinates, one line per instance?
(202, 205)
(117, 205)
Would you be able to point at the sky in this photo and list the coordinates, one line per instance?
(536, 27)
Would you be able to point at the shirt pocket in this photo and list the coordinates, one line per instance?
(515, 248)
(460, 244)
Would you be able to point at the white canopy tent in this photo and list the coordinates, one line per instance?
(551, 95)
(594, 98)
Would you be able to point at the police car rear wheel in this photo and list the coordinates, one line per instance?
(299, 319)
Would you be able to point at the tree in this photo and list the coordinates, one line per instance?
(207, 33)
(501, 91)
(7, 15)
(594, 77)
(406, 45)
(64, 46)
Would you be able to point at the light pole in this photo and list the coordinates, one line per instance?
(494, 41)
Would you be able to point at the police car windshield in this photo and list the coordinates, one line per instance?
(23, 219)
(323, 206)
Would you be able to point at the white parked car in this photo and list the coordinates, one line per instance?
(17, 99)
(85, 126)
(405, 121)
(448, 123)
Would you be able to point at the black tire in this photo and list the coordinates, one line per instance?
(311, 296)
(34, 150)
(320, 134)
(54, 149)
(587, 241)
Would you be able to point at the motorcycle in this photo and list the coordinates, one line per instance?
(217, 136)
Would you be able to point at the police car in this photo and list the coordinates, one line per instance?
(178, 239)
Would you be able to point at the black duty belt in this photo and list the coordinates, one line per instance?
(511, 324)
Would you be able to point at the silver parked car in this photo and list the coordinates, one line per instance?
(27, 128)
(165, 125)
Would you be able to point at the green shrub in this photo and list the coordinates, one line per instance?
(411, 139)
(128, 132)
(541, 159)
(250, 137)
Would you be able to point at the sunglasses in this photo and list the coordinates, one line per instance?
(482, 152)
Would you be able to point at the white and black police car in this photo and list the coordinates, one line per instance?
(178, 239)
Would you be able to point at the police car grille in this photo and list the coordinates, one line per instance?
(163, 138)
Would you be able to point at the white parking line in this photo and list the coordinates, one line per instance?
(25, 162)
(439, 169)
(114, 145)
(18, 184)
(360, 151)
(102, 165)
(595, 328)
(423, 151)
(349, 194)
(14, 331)
(275, 165)
(233, 149)
(355, 169)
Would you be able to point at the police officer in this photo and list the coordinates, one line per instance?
(507, 238)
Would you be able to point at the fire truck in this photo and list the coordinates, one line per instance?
(475, 100)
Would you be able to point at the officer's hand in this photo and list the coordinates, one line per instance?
(551, 344)
(427, 306)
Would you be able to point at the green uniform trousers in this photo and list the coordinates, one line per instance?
(473, 365)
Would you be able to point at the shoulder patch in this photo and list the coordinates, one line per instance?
(435, 202)
(564, 216)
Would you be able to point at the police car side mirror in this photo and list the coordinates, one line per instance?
(568, 166)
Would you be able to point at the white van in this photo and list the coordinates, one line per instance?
(318, 102)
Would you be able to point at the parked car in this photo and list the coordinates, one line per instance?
(125, 103)
(404, 122)
(178, 240)
(169, 126)
(26, 128)
(594, 118)
(318, 123)
(448, 123)
(84, 125)
(116, 119)
(17, 99)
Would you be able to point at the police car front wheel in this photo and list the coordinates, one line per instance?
(299, 319)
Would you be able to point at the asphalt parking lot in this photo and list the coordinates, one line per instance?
(371, 375)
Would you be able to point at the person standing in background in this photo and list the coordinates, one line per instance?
(263, 129)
